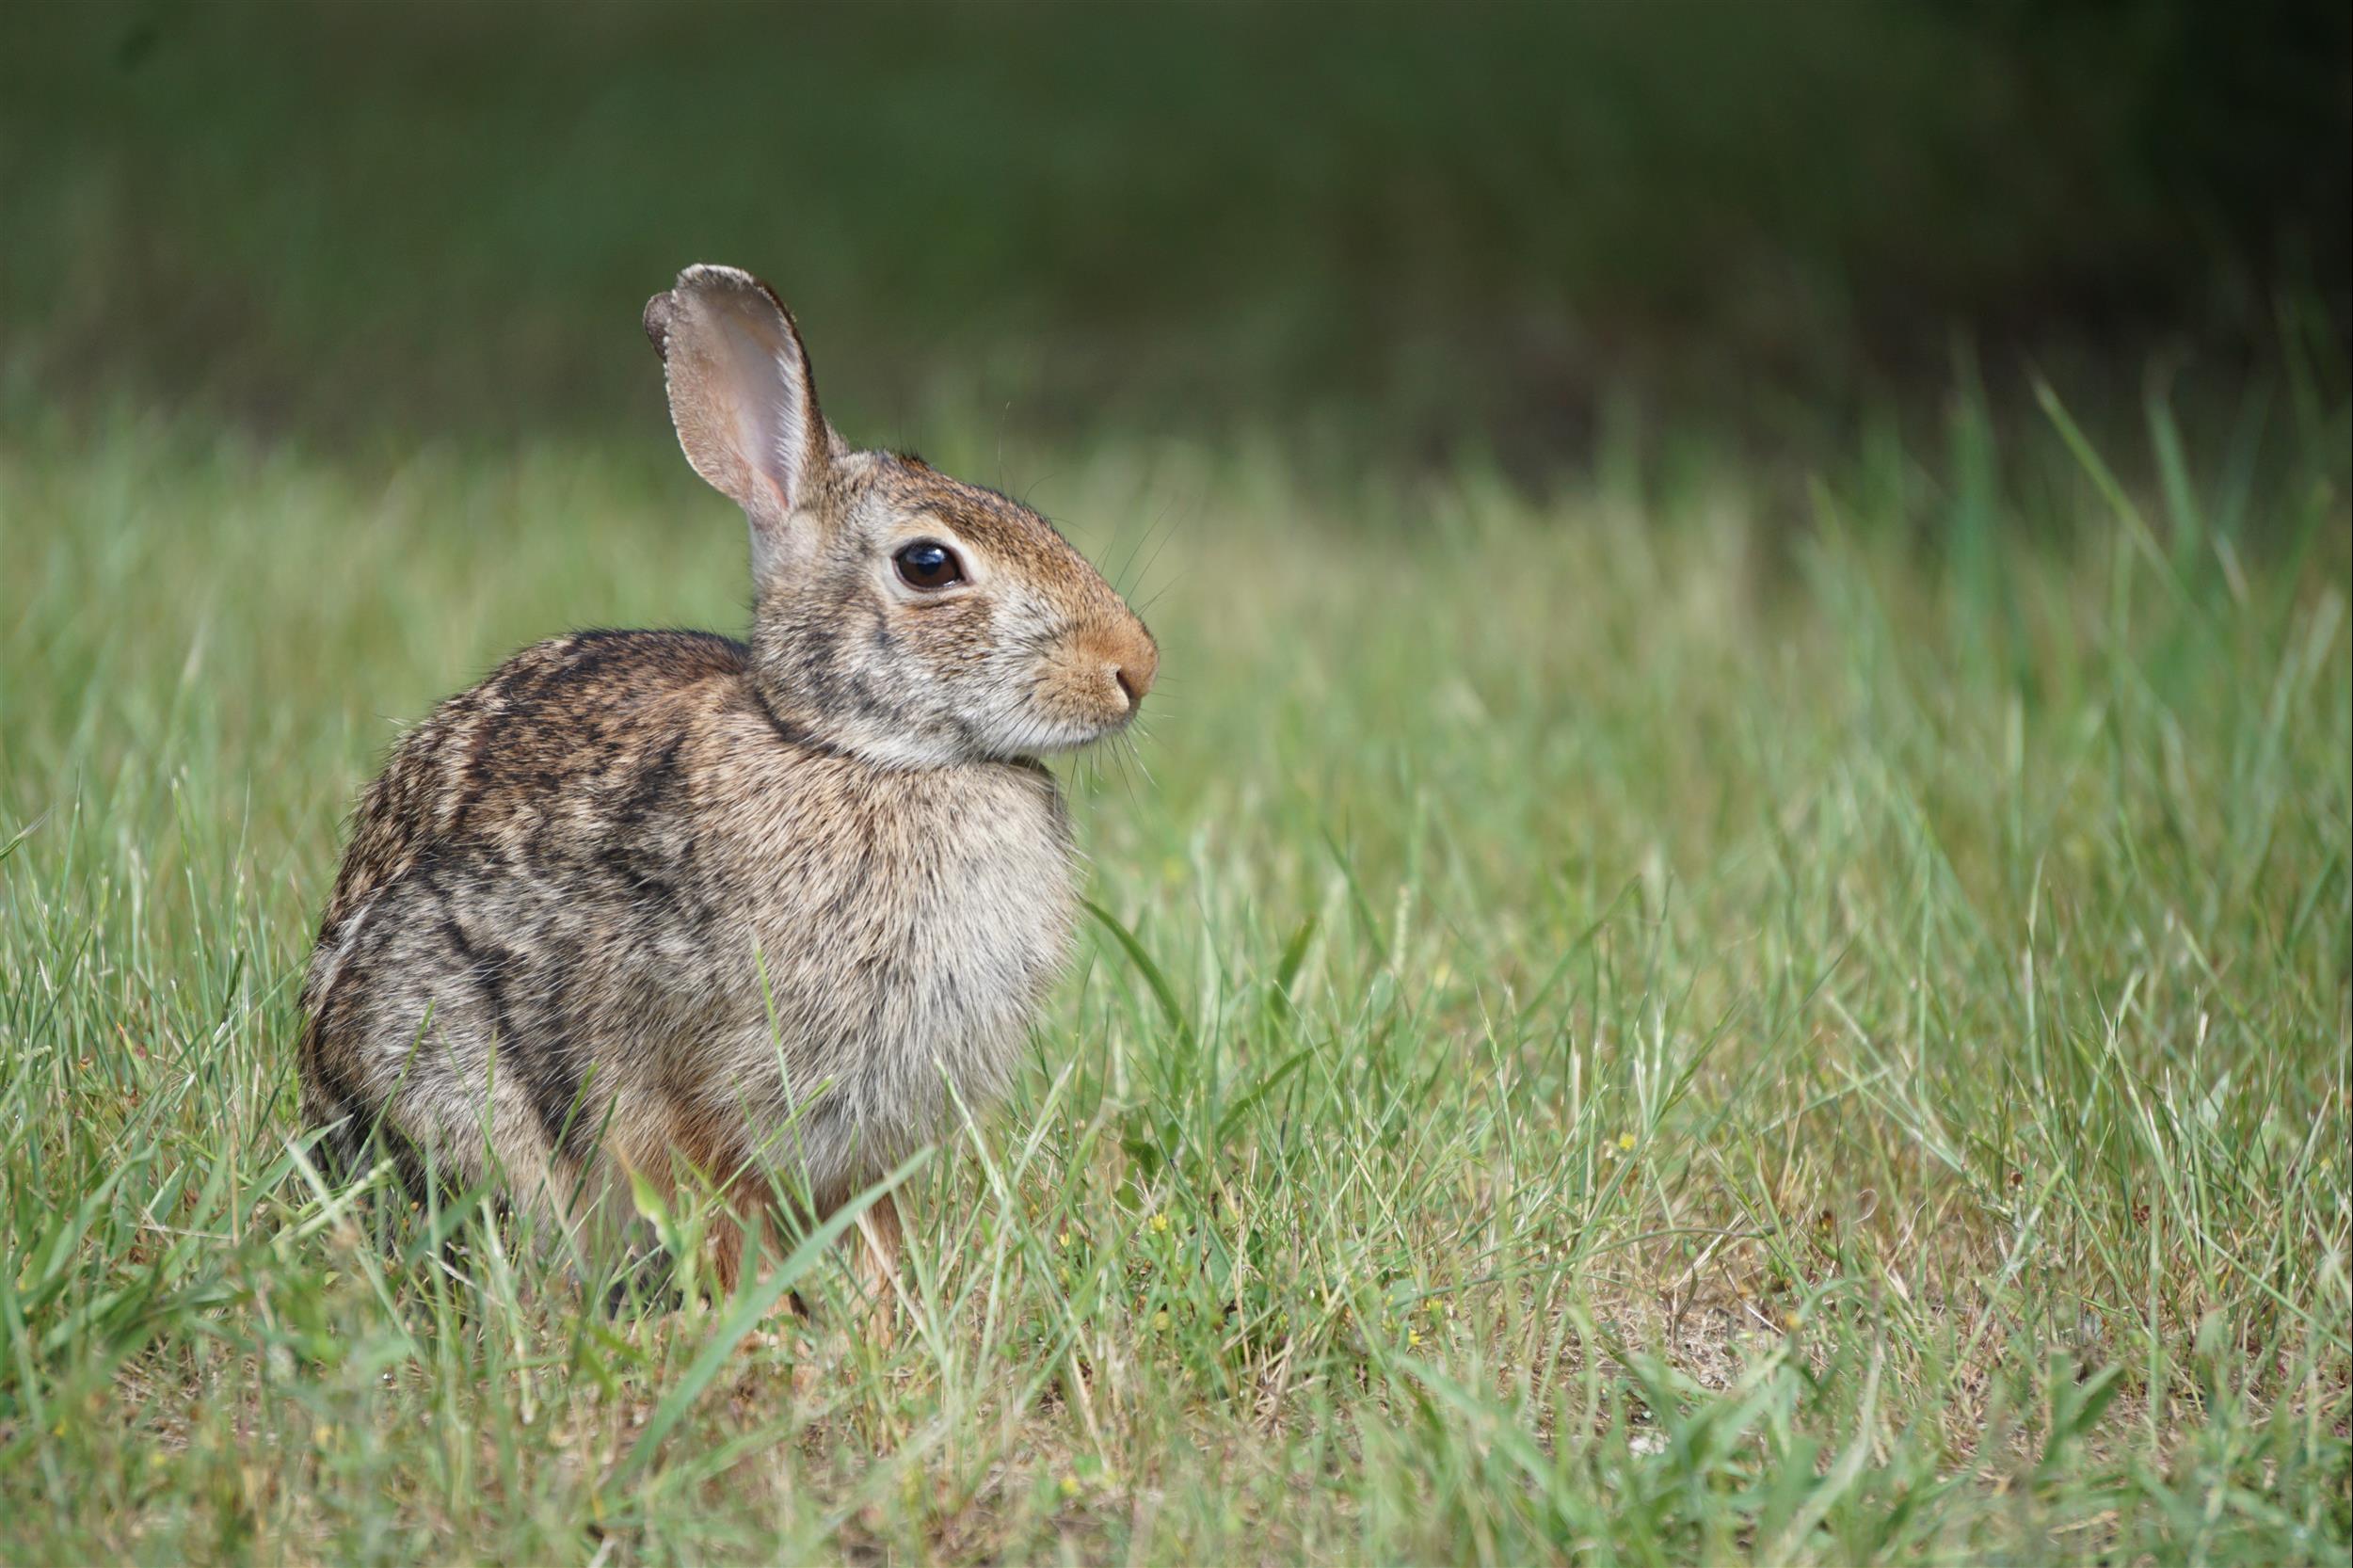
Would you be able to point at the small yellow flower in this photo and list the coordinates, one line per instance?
(1070, 1486)
(1413, 1337)
(1064, 1240)
(1625, 1143)
(1160, 1224)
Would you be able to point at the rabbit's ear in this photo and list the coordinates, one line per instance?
(742, 396)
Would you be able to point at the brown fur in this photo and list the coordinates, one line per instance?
(750, 913)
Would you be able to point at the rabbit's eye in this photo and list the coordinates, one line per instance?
(928, 565)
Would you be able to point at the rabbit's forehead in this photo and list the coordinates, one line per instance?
(904, 492)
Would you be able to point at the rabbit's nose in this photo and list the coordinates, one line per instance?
(1137, 665)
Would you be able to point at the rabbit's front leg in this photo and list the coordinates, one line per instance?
(878, 1247)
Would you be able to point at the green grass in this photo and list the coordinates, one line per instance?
(1688, 1019)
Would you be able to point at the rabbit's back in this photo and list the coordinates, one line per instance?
(606, 902)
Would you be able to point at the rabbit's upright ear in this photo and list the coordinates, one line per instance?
(742, 396)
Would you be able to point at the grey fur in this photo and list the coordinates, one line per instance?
(671, 904)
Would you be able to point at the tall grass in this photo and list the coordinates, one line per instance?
(1678, 1020)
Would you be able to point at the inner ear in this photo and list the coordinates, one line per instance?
(742, 396)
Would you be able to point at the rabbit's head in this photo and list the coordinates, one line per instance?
(901, 615)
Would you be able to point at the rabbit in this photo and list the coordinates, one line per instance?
(669, 903)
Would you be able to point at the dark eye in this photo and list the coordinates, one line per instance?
(928, 565)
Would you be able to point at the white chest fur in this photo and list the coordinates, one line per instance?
(907, 925)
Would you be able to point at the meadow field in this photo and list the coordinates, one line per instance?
(1702, 1015)
(1728, 937)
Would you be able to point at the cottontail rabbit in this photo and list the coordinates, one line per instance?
(661, 900)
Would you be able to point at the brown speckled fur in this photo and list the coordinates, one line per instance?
(671, 902)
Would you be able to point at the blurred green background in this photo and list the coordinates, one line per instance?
(1372, 234)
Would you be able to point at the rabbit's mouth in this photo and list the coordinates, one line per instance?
(1042, 734)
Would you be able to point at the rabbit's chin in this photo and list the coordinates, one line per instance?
(977, 738)
(1029, 736)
